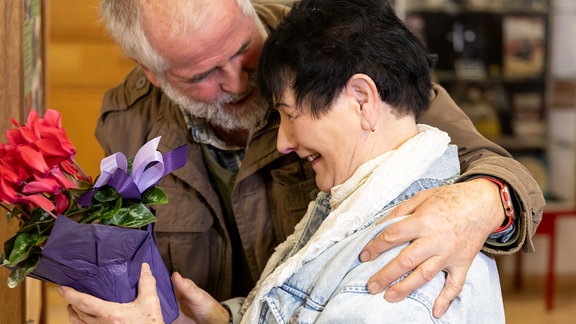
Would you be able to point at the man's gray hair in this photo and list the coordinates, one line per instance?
(124, 21)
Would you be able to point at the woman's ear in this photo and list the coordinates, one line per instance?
(363, 89)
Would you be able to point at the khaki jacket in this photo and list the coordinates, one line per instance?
(272, 191)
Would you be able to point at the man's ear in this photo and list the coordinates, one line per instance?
(150, 75)
(363, 89)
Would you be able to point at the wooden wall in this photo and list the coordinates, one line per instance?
(82, 63)
(12, 306)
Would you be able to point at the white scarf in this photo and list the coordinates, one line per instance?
(354, 203)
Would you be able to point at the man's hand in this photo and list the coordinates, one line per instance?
(85, 308)
(447, 228)
(196, 305)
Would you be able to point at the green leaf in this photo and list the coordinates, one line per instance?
(40, 240)
(13, 213)
(38, 224)
(154, 196)
(17, 276)
(134, 216)
(8, 246)
(22, 245)
(112, 209)
(91, 215)
(106, 193)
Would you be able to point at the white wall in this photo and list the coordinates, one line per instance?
(561, 155)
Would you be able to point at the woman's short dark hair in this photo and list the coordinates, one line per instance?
(322, 43)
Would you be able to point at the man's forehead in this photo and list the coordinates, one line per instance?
(203, 54)
(209, 45)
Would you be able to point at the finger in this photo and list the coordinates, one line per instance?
(410, 257)
(452, 288)
(409, 206)
(416, 279)
(406, 207)
(81, 301)
(394, 235)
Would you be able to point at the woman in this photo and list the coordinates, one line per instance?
(348, 80)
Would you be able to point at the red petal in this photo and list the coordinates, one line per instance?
(7, 192)
(46, 185)
(14, 122)
(64, 182)
(58, 135)
(14, 137)
(33, 158)
(61, 203)
(28, 135)
(8, 175)
(52, 118)
(69, 167)
(53, 148)
(32, 117)
(37, 201)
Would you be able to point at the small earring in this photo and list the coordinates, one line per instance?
(373, 130)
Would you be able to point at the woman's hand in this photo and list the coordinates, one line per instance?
(196, 304)
(85, 308)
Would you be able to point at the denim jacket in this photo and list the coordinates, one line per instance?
(330, 287)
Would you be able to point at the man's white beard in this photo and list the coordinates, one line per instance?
(245, 117)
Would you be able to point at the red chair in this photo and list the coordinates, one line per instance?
(547, 227)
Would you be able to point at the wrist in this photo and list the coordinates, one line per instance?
(229, 311)
(506, 201)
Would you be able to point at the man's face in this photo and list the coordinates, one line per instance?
(212, 69)
(242, 116)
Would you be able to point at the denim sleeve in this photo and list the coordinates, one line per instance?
(353, 307)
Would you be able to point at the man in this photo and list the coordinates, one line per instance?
(237, 197)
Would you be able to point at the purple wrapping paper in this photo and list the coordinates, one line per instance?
(104, 261)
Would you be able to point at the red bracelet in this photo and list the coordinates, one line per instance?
(506, 203)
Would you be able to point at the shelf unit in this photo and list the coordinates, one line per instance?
(493, 60)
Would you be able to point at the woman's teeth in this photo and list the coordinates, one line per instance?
(312, 157)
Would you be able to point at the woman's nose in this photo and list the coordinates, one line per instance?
(285, 140)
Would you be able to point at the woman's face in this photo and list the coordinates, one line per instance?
(332, 143)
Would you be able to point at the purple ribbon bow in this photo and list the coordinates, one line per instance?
(148, 167)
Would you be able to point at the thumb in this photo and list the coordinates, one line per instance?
(185, 289)
(147, 282)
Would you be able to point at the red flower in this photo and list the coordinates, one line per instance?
(36, 163)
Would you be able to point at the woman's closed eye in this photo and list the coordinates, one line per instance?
(291, 117)
(289, 112)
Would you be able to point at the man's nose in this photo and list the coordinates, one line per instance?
(235, 77)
